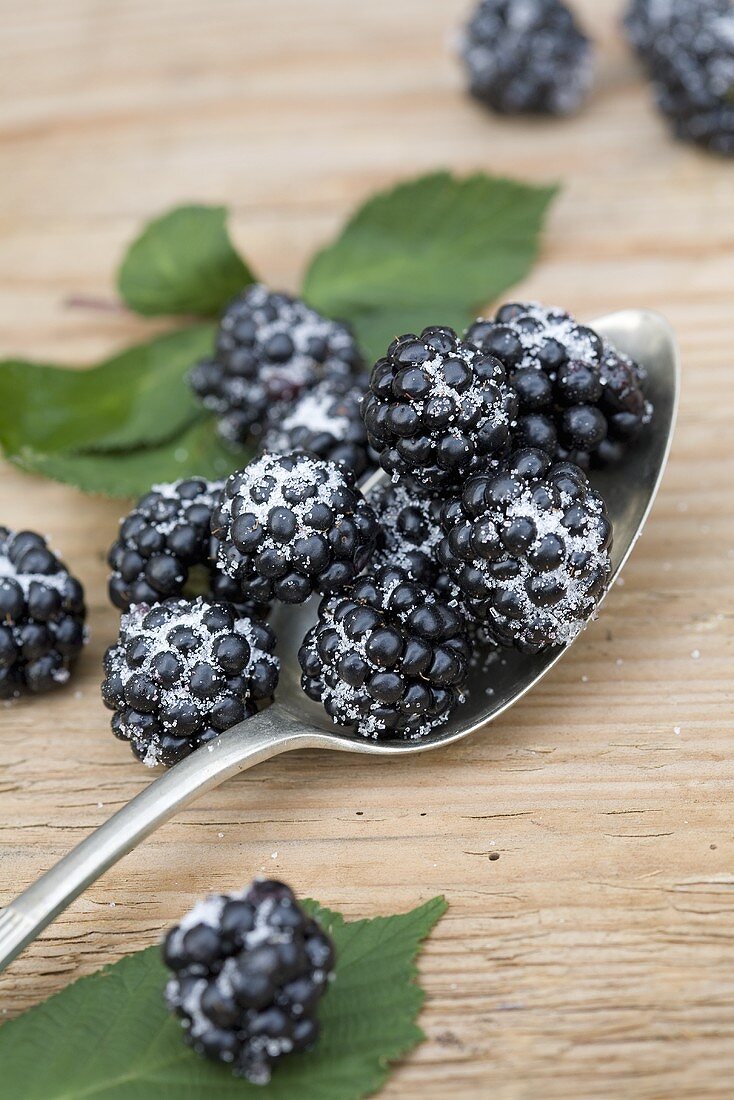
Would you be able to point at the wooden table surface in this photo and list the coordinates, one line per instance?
(593, 958)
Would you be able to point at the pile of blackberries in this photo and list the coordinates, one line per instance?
(248, 972)
(488, 527)
(532, 56)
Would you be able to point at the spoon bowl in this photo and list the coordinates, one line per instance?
(294, 721)
(629, 490)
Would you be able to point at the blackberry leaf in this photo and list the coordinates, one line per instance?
(183, 262)
(433, 250)
(109, 1035)
(196, 452)
(136, 398)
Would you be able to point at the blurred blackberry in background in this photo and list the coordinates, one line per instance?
(438, 409)
(42, 616)
(326, 420)
(529, 548)
(184, 671)
(644, 20)
(579, 398)
(387, 657)
(527, 56)
(687, 47)
(290, 525)
(270, 347)
(249, 970)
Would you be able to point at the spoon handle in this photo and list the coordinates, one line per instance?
(258, 738)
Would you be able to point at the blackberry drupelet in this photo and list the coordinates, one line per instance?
(290, 525)
(249, 970)
(579, 398)
(386, 658)
(270, 348)
(184, 671)
(326, 420)
(529, 548)
(438, 409)
(42, 616)
(688, 49)
(527, 56)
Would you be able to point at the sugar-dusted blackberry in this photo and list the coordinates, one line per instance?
(42, 616)
(527, 56)
(688, 49)
(290, 525)
(579, 398)
(167, 533)
(528, 547)
(438, 409)
(184, 671)
(249, 970)
(326, 420)
(270, 347)
(387, 657)
(410, 531)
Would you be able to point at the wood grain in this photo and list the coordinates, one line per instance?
(592, 959)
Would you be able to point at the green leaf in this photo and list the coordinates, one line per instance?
(109, 1036)
(196, 452)
(430, 251)
(136, 398)
(183, 262)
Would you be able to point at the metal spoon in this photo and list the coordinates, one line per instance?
(294, 722)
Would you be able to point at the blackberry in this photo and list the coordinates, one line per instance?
(580, 399)
(166, 534)
(527, 56)
(410, 532)
(184, 671)
(688, 49)
(386, 657)
(249, 970)
(326, 420)
(529, 548)
(269, 349)
(42, 616)
(290, 525)
(438, 409)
